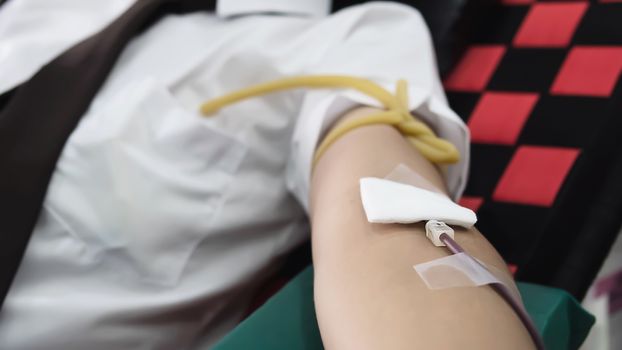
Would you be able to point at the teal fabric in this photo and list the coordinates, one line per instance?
(563, 323)
(287, 321)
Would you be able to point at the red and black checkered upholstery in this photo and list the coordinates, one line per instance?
(539, 87)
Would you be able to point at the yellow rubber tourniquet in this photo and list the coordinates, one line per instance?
(397, 113)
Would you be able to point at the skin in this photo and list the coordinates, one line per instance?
(367, 294)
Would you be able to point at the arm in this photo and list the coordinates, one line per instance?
(367, 294)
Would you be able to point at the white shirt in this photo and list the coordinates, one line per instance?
(159, 223)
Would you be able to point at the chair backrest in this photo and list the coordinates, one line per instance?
(539, 86)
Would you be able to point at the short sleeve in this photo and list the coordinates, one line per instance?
(383, 43)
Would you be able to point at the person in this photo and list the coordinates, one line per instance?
(159, 225)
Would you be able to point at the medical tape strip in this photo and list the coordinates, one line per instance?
(403, 174)
(505, 279)
(462, 270)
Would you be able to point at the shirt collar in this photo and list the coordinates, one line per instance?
(311, 8)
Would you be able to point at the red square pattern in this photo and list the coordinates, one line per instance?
(498, 117)
(550, 24)
(475, 68)
(589, 71)
(535, 175)
(472, 203)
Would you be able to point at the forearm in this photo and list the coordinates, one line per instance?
(367, 294)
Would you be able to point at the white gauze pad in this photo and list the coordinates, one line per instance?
(387, 202)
